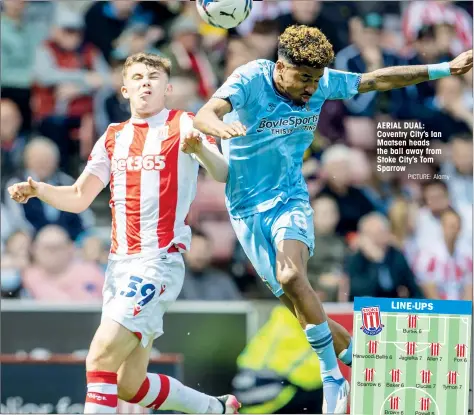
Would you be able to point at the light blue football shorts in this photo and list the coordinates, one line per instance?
(260, 234)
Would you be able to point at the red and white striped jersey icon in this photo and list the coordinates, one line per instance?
(461, 350)
(395, 373)
(411, 348)
(426, 376)
(452, 377)
(425, 404)
(369, 374)
(434, 349)
(373, 346)
(394, 402)
(412, 321)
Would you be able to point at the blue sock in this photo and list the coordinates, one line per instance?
(346, 355)
(320, 339)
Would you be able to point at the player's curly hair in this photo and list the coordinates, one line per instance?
(302, 45)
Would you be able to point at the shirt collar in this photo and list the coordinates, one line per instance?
(155, 120)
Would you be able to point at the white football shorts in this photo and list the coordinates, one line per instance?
(138, 291)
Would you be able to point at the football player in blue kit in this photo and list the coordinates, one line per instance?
(266, 114)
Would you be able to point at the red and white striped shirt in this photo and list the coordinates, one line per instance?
(373, 346)
(452, 274)
(434, 349)
(431, 13)
(369, 374)
(452, 377)
(425, 404)
(426, 376)
(461, 350)
(395, 373)
(152, 182)
(394, 402)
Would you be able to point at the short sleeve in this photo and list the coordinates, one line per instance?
(243, 86)
(339, 84)
(98, 162)
(186, 125)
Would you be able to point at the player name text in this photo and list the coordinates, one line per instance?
(406, 358)
(372, 356)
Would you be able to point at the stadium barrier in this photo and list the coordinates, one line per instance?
(57, 384)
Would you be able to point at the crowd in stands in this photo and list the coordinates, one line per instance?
(377, 234)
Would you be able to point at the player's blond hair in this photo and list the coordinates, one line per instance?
(302, 45)
(149, 59)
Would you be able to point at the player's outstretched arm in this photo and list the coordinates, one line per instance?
(400, 76)
(208, 120)
(74, 199)
(207, 155)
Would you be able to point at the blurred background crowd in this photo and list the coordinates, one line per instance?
(377, 234)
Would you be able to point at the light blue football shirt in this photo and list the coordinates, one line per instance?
(265, 165)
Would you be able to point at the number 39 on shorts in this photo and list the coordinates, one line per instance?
(136, 286)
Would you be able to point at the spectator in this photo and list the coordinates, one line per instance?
(351, 201)
(436, 202)
(11, 141)
(18, 43)
(185, 94)
(330, 18)
(326, 264)
(453, 115)
(378, 269)
(440, 14)
(15, 258)
(110, 106)
(113, 18)
(367, 55)
(94, 249)
(67, 72)
(459, 170)
(444, 269)
(403, 215)
(425, 51)
(187, 57)
(41, 159)
(11, 223)
(203, 282)
(55, 275)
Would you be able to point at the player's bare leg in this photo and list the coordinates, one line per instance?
(341, 337)
(111, 345)
(291, 260)
(162, 392)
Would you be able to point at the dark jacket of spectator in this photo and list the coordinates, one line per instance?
(352, 206)
(368, 278)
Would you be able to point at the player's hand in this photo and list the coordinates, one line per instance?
(462, 63)
(22, 192)
(234, 129)
(192, 142)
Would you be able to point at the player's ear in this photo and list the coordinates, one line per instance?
(279, 66)
(124, 92)
(169, 89)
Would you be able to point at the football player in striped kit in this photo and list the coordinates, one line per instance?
(151, 162)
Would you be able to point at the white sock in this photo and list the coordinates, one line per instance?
(101, 395)
(166, 393)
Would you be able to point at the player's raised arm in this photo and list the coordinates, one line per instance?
(400, 76)
(203, 148)
(209, 120)
(74, 199)
(240, 90)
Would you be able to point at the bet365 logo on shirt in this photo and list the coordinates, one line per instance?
(135, 163)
